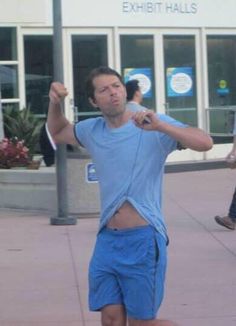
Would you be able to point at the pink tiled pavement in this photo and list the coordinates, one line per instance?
(43, 268)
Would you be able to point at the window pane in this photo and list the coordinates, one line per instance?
(221, 121)
(38, 71)
(8, 44)
(9, 81)
(221, 70)
(137, 56)
(221, 50)
(89, 52)
(180, 76)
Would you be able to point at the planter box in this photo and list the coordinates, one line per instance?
(36, 189)
(28, 189)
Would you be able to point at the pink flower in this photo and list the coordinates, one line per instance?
(13, 153)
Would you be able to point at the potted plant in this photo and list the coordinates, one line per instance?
(13, 153)
(24, 126)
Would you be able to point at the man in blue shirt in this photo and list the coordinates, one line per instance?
(134, 94)
(127, 269)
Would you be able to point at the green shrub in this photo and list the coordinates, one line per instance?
(23, 125)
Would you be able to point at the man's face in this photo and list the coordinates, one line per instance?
(109, 95)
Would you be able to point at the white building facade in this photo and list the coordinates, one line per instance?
(183, 52)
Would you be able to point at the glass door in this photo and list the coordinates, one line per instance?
(38, 72)
(180, 77)
(170, 59)
(88, 52)
(137, 62)
(221, 54)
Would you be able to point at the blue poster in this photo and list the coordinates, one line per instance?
(179, 81)
(144, 76)
(91, 173)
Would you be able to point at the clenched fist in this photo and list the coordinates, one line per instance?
(57, 92)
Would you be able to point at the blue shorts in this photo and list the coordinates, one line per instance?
(128, 267)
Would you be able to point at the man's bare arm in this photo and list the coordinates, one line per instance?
(189, 137)
(59, 127)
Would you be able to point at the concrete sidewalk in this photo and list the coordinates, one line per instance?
(43, 268)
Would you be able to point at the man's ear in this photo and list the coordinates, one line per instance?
(92, 102)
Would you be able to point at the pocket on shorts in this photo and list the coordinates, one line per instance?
(138, 251)
(161, 251)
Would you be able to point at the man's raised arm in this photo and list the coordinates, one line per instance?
(60, 129)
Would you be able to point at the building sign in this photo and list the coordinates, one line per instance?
(160, 7)
(179, 81)
(144, 76)
(90, 173)
(147, 13)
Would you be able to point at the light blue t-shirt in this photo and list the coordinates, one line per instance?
(129, 165)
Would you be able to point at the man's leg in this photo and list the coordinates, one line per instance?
(156, 322)
(113, 315)
(232, 208)
(229, 221)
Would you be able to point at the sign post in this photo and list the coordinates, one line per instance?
(61, 167)
(1, 117)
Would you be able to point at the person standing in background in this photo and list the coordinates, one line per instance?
(229, 221)
(134, 96)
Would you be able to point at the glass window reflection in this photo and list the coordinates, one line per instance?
(89, 52)
(38, 71)
(179, 52)
(8, 50)
(9, 81)
(137, 54)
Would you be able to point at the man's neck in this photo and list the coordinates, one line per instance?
(118, 121)
(133, 102)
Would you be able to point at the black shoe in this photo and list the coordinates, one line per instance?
(226, 221)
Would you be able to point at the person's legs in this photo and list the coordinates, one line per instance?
(126, 277)
(156, 322)
(104, 289)
(113, 315)
(232, 208)
(229, 221)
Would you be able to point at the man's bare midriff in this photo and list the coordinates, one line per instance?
(126, 217)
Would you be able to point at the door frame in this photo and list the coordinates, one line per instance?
(159, 72)
(68, 60)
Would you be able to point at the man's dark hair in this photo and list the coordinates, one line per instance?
(132, 86)
(103, 70)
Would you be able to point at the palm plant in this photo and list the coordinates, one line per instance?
(23, 125)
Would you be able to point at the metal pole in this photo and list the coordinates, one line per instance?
(1, 118)
(61, 153)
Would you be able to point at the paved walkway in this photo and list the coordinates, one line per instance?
(43, 268)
